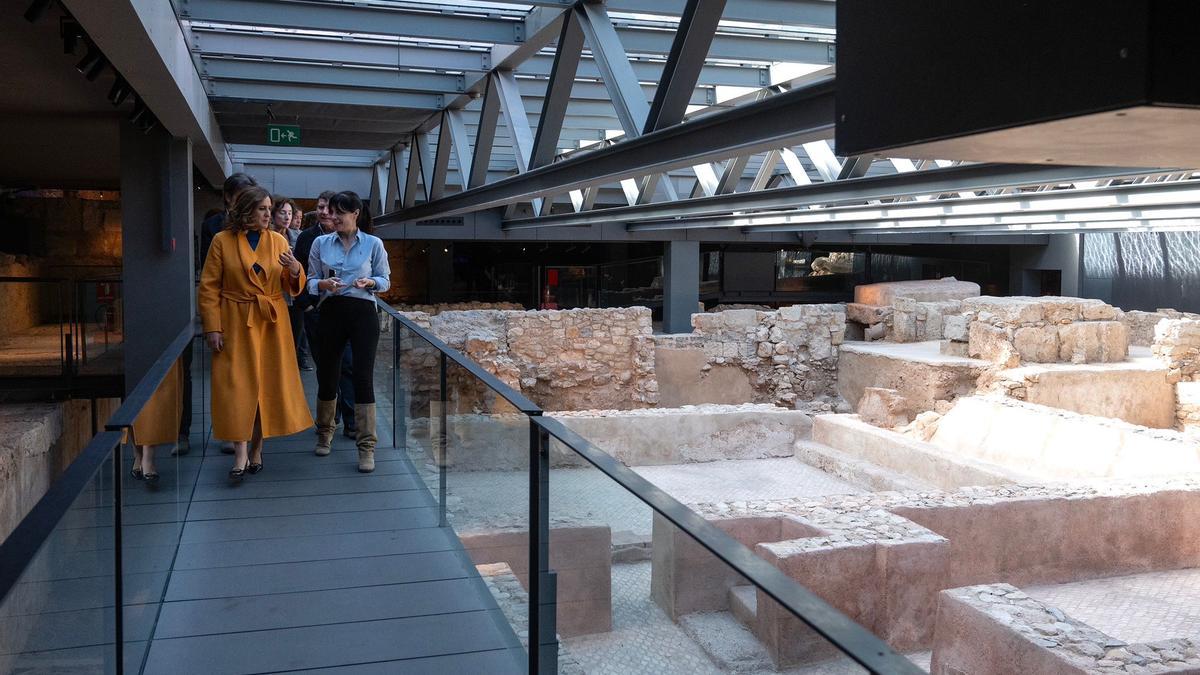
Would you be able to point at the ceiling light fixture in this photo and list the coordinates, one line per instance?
(92, 64)
(37, 10)
(119, 92)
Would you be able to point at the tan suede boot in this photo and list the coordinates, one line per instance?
(326, 411)
(364, 416)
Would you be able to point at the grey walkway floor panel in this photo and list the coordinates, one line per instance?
(274, 527)
(93, 659)
(318, 608)
(79, 628)
(317, 575)
(473, 663)
(98, 564)
(327, 646)
(83, 593)
(256, 508)
(259, 487)
(323, 547)
(301, 467)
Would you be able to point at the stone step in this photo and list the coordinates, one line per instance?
(856, 470)
(743, 602)
(730, 645)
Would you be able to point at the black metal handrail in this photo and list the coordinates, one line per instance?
(860, 644)
(518, 400)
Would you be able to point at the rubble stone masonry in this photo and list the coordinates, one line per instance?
(790, 354)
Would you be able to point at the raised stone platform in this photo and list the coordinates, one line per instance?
(918, 371)
(1055, 444)
(1137, 390)
(1012, 330)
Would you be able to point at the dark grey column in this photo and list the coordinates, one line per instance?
(156, 236)
(681, 285)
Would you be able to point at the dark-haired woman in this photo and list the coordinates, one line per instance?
(347, 268)
(256, 390)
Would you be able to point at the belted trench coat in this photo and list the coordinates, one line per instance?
(256, 370)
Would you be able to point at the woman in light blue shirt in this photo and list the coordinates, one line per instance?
(346, 269)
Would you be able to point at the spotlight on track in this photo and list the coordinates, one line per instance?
(71, 32)
(37, 10)
(148, 124)
(91, 64)
(119, 92)
(140, 112)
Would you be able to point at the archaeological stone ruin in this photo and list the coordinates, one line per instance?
(937, 464)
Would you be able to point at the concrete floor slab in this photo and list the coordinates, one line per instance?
(1135, 608)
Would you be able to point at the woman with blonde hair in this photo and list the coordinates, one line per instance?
(256, 390)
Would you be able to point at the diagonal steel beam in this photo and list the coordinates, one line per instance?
(454, 127)
(515, 118)
(788, 119)
(558, 92)
(486, 135)
(441, 161)
(697, 27)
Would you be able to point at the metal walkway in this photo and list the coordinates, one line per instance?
(308, 565)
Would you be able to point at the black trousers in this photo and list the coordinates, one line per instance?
(343, 320)
(345, 408)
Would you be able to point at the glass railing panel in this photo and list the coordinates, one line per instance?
(631, 589)
(481, 443)
(416, 383)
(161, 468)
(60, 615)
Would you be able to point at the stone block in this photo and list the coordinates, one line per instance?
(883, 407)
(1097, 310)
(1093, 342)
(867, 314)
(954, 327)
(884, 293)
(990, 343)
(741, 318)
(1060, 310)
(1011, 311)
(1037, 344)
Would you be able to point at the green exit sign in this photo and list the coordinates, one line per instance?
(283, 134)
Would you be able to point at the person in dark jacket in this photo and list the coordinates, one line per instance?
(312, 317)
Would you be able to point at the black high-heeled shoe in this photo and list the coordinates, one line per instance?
(136, 472)
(236, 474)
(253, 468)
(151, 480)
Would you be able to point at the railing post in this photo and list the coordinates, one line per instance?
(442, 436)
(118, 564)
(543, 591)
(396, 393)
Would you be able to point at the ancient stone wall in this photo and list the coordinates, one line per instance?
(914, 321)
(22, 302)
(790, 354)
(438, 308)
(1010, 330)
(1141, 324)
(579, 359)
(1177, 343)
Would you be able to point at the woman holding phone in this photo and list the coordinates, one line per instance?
(348, 267)
(256, 389)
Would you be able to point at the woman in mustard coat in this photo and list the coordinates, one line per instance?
(256, 390)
